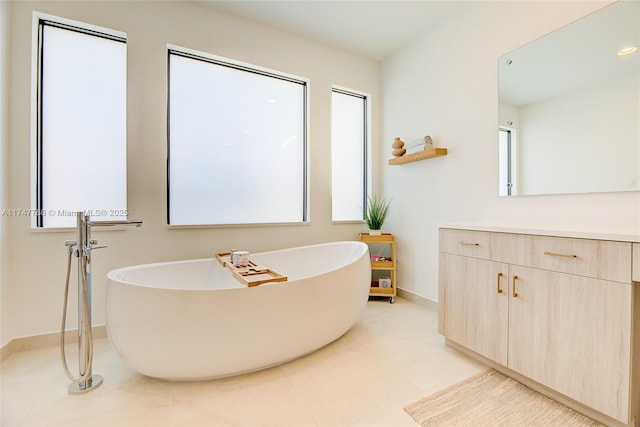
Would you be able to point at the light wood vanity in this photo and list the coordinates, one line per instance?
(560, 313)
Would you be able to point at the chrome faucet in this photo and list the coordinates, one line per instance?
(83, 245)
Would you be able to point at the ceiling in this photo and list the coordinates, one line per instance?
(374, 29)
(576, 56)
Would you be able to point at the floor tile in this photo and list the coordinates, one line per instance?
(392, 356)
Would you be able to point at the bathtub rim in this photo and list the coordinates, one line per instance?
(112, 274)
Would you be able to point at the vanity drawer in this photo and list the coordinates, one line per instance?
(635, 274)
(600, 259)
(469, 243)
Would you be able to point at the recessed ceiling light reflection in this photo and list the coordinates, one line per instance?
(627, 50)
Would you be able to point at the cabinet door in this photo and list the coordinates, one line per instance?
(635, 275)
(474, 314)
(573, 334)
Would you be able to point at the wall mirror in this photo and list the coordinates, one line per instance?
(569, 108)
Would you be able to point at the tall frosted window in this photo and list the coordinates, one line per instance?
(508, 162)
(81, 124)
(237, 143)
(348, 155)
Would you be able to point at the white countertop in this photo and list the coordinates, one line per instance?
(579, 234)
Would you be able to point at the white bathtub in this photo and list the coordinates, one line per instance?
(190, 320)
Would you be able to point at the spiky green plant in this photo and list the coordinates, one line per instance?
(376, 212)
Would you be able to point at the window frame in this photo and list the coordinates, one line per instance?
(259, 70)
(39, 20)
(367, 149)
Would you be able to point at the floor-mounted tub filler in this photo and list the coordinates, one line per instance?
(191, 320)
(82, 248)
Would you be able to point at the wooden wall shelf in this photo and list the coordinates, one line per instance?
(420, 155)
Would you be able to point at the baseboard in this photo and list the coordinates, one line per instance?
(417, 299)
(44, 340)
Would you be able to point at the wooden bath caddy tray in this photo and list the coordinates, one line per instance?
(251, 275)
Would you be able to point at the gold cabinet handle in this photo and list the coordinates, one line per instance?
(513, 291)
(499, 288)
(560, 255)
(469, 244)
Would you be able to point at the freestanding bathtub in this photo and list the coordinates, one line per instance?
(191, 320)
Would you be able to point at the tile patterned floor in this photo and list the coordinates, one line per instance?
(393, 356)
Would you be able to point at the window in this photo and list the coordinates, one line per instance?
(508, 162)
(349, 140)
(81, 124)
(237, 143)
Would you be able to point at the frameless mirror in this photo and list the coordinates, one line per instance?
(569, 108)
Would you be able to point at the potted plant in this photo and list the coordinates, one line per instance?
(376, 213)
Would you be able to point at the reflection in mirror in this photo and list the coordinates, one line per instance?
(569, 108)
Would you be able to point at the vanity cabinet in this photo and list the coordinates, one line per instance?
(558, 312)
(479, 312)
(636, 262)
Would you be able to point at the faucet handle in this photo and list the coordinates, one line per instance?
(87, 250)
(93, 245)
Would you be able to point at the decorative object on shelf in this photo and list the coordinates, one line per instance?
(384, 282)
(376, 214)
(397, 146)
(375, 257)
(428, 143)
(419, 145)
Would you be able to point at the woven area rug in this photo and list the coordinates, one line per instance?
(492, 399)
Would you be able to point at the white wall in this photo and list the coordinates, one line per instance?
(4, 137)
(445, 84)
(596, 127)
(37, 259)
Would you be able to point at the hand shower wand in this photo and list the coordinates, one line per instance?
(83, 246)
